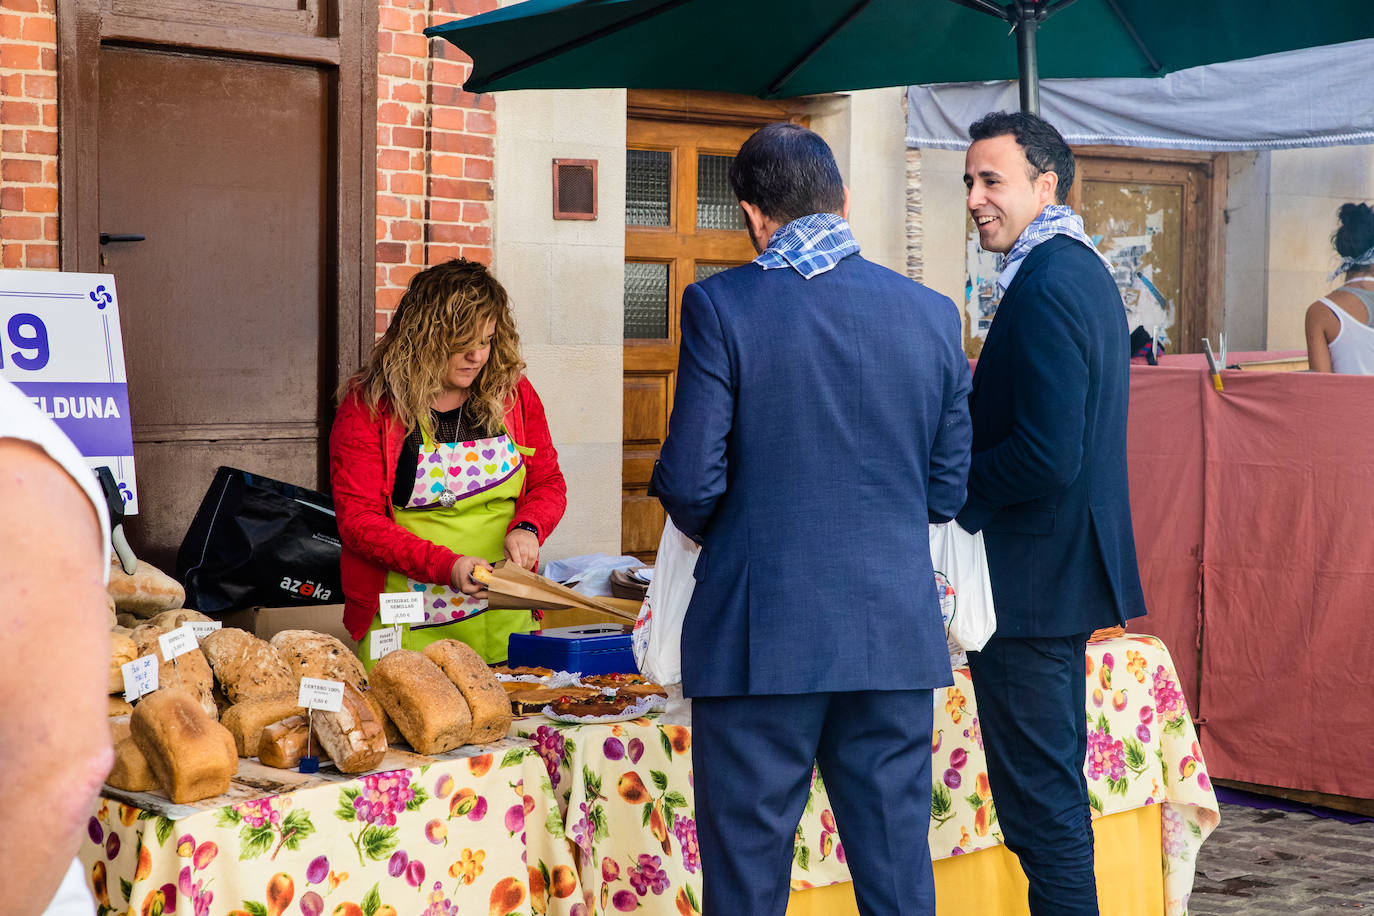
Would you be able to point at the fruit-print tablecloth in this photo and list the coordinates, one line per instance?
(625, 791)
(432, 838)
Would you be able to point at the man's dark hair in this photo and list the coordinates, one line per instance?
(1043, 146)
(787, 172)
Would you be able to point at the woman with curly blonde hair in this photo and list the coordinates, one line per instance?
(441, 461)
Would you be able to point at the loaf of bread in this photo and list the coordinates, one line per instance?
(284, 743)
(190, 671)
(170, 620)
(487, 700)
(246, 667)
(393, 734)
(119, 706)
(114, 614)
(246, 720)
(190, 754)
(311, 654)
(122, 651)
(147, 593)
(352, 737)
(429, 711)
(131, 771)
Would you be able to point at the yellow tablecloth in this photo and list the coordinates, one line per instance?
(437, 838)
(600, 819)
(625, 789)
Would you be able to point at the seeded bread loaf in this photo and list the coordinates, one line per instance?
(246, 667)
(429, 711)
(352, 737)
(393, 734)
(311, 654)
(190, 754)
(246, 720)
(486, 699)
(190, 671)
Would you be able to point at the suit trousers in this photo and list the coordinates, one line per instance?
(1031, 706)
(752, 760)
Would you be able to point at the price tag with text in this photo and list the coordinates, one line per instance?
(178, 642)
(385, 640)
(203, 628)
(140, 677)
(321, 694)
(402, 607)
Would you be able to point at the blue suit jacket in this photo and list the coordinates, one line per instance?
(817, 425)
(1048, 485)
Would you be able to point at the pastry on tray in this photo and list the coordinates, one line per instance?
(521, 671)
(599, 704)
(534, 699)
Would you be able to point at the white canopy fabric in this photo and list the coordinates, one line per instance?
(1314, 97)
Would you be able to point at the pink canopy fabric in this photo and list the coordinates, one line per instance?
(1254, 522)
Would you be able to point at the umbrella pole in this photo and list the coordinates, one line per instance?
(1027, 68)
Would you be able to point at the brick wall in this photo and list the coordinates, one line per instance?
(434, 143)
(434, 148)
(28, 134)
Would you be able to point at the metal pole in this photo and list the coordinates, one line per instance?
(1027, 68)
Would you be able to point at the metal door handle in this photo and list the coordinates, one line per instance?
(108, 237)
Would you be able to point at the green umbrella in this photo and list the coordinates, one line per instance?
(782, 48)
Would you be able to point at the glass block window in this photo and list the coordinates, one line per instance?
(710, 270)
(648, 185)
(717, 207)
(646, 300)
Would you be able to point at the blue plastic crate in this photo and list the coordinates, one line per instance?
(590, 649)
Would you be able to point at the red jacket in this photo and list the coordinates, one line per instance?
(363, 453)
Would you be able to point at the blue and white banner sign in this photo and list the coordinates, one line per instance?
(60, 344)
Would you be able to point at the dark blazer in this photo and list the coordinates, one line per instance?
(1048, 484)
(817, 425)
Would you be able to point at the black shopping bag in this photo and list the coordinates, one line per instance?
(258, 542)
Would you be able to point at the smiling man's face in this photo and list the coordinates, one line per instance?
(1002, 197)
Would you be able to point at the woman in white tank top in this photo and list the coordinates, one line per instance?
(1340, 325)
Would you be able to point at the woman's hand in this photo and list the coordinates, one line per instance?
(522, 548)
(461, 579)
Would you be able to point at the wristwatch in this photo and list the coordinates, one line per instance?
(527, 526)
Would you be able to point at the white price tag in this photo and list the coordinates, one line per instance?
(320, 694)
(384, 641)
(178, 642)
(140, 677)
(402, 607)
(203, 628)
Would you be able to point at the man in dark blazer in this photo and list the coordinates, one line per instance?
(1048, 490)
(820, 420)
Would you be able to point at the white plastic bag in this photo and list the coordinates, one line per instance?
(961, 576)
(657, 637)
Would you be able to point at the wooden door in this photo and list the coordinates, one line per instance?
(682, 223)
(240, 164)
(1157, 215)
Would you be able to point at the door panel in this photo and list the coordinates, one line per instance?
(222, 162)
(682, 225)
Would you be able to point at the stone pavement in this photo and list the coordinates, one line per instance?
(1276, 863)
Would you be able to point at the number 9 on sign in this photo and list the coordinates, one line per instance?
(29, 336)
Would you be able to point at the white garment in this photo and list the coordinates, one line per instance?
(1352, 349)
(20, 419)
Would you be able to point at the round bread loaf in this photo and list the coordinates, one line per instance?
(319, 655)
(190, 671)
(245, 666)
(170, 620)
(486, 698)
(148, 592)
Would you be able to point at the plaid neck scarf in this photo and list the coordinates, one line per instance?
(1055, 219)
(810, 245)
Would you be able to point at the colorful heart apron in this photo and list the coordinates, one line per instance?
(463, 499)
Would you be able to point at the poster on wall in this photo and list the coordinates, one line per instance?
(60, 344)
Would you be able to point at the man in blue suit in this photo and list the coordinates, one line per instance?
(1048, 490)
(820, 421)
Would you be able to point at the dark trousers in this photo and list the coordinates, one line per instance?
(752, 759)
(1031, 705)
